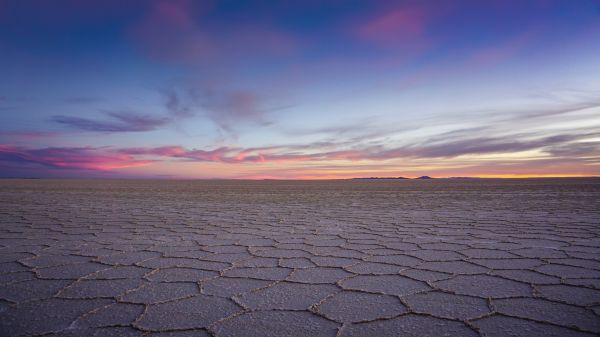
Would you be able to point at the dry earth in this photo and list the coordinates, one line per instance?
(266, 258)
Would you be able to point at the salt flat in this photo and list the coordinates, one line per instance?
(477, 257)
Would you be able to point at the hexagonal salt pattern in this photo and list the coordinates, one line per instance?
(266, 258)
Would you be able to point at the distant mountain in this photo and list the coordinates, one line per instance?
(424, 177)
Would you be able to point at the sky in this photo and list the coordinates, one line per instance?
(182, 89)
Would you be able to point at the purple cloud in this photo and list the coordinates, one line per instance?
(589, 150)
(315, 152)
(176, 107)
(178, 31)
(228, 109)
(563, 148)
(472, 146)
(118, 122)
(85, 158)
(395, 26)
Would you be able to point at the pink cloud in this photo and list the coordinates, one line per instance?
(165, 151)
(235, 155)
(503, 51)
(484, 57)
(400, 25)
(444, 148)
(178, 31)
(221, 154)
(562, 147)
(169, 33)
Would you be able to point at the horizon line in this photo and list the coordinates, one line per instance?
(514, 177)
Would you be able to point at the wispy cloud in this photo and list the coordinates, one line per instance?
(85, 158)
(504, 50)
(314, 152)
(474, 146)
(175, 107)
(587, 150)
(117, 122)
(215, 155)
(559, 150)
(229, 109)
(560, 110)
(178, 31)
(395, 26)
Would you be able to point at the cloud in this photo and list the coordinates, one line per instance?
(229, 109)
(118, 122)
(231, 155)
(176, 107)
(560, 110)
(216, 155)
(504, 50)
(395, 27)
(168, 33)
(570, 158)
(314, 152)
(124, 121)
(584, 149)
(84, 158)
(179, 31)
(182, 32)
(475, 146)
(451, 148)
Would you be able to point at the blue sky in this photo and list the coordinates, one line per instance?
(278, 89)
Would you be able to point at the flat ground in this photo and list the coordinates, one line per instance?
(266, 258)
